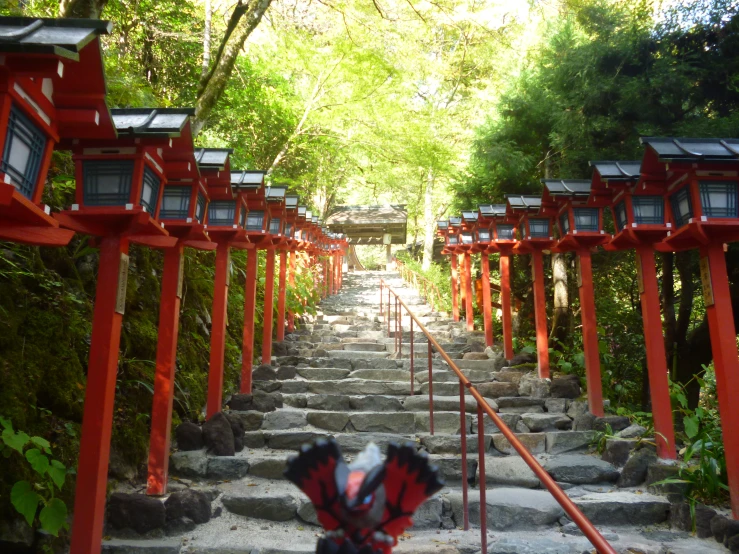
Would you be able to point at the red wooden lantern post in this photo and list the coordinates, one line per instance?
(535, 227)
(451, 241)
(580, 220)
(486, 245)
(467, 245)
(227, 213)
(290, 213)
(120, 184)
(702, 188)
(638, 209)
(52, 88)
(299, 246)
(275, 197)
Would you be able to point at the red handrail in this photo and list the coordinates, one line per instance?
(588, 529)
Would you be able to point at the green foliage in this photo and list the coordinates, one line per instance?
(437, 274)
(48, 478)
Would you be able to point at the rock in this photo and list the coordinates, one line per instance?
(259, 401)
(284, 420)
(497, 389)
(237, 428)
(733, 543)
(616, 423)
(623, 508)
(374, 363)
(546, 422)
(16, 536)
(617, 451)
(192, 504)
(533, 386)
(294, 387)
(511, 420)
(555, 405)
(576, 408)
(521, 427)
(320, 353)
(632, 432)
(331, 421)
(307, 512)
(571, 528)
(267, 386)
(279, 349)
(724, 529)
(521, 508)
(179, 526)
(511, 471)
(285, 372)
(580, 469)
(293, 441)
(119, 467)
(508, 376)
(251, 420)
(681, 518)
(189, 436)
(428, 515)
(375, 403)
(635, 470)
(189, 464)
(217, 435)
(402, 423)
(323, 373)
(659, 472)
(275, 507)
(264, 372)
(535, 442)
(135, 511)
(514, 404)
(566, 386)
(268, 468)
(449, 444)
(583, 422)
(227, 467)
(475, 356)
(329, 402)
(533, 546)
(557, 443)
(522, 358)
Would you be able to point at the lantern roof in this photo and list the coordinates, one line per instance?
(442, 225)
(455, 221)
(571, 188)
(59, 37)
(151, 122)
(523, 202)
(693, 149)
(247, 180)
(314, 220)
(469, 216)
(213, 158)
(291, 201)
(302, 210)
(617, 171)
(276, 193)
(492, 210)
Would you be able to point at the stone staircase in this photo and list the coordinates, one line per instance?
(336, 376)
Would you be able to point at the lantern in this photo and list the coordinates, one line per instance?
(579, 214)
(53, 92)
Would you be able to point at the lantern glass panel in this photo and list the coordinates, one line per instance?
(288, 229)
(620, 215)
(718, 199)
(483, 235)
(175, 203)
(254, 221)
(506, 232)
(24, 149)
(648, 210)
(682, 207)
(222, 212)
(106, 183)
(242, 217)
(453, 239)
(150, 190)
(586, 219)
(200, 208)
(564, 223)
(274, 226)
(539, 228)
(467, 238)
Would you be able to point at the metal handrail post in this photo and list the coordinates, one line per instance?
(431, 392)
(463, 435)
(481, 469)
(412, 355)
(400, 331)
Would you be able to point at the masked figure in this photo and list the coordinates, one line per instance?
(363, 506)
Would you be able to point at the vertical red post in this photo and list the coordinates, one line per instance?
(540, 309)
(725, 358)
(481, 469)
(455, 291)
(656, 356)
(505, 305)
(97, 421)
(161, 410)
(281, 293)
(412, 356)
(469, 308)
(463, 445)
(218, 330)
(269, 298)
(291, 280)
(487, 308)
(431, 392)
(590, 333)
(250, 304)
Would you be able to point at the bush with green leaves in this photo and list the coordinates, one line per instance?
(50, 474)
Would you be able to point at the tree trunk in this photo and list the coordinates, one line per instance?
(429, 225)
(244, 20)
(206, 37)
(86, 9)
(561, 319)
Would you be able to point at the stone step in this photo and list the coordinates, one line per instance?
(346, 403)
(349, 355)
(364, 347)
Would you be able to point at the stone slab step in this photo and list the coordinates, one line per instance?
(349, 355)
(364, 347)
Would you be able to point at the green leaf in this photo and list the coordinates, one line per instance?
(38, 461)
(42, 443)
(53, 516)
(565, 366)
(14, 440)
(682, 399)
(58, 473)
(691, 426)
(6, 423)
(25, 500)
(528, 350)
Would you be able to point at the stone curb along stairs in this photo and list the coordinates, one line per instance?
(335, 377)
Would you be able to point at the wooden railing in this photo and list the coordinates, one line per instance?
(395, 305)
(428, 289)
